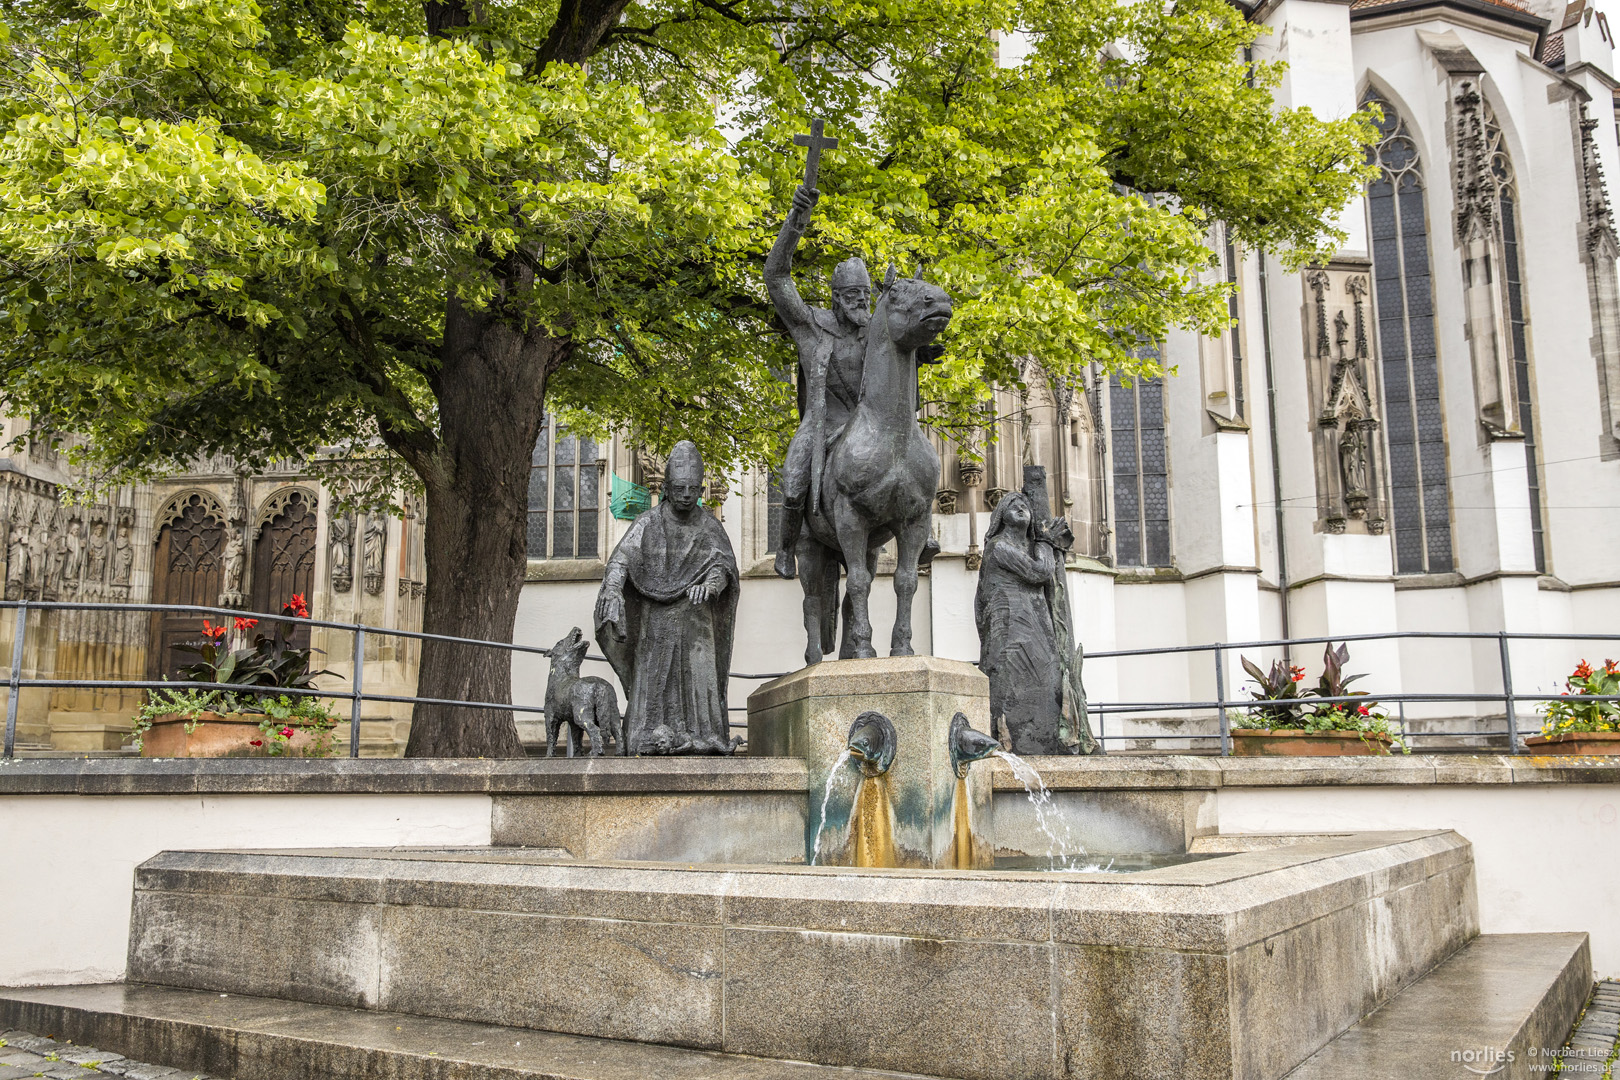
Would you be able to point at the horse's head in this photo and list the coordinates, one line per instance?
(916, 311)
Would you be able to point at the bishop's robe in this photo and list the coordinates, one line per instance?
(676, 656)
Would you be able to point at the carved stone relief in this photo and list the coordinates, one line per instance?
(1343, 384)
(374, 546)
(340, 548)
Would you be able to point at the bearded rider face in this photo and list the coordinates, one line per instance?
(853, 305)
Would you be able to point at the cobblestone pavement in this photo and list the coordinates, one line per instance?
(24, 1055)
(1594, 1046)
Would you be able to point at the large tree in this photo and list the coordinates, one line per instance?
(270, 227)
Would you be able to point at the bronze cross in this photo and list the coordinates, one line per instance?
(817, 143)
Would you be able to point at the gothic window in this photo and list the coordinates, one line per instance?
(1502, 173)
(773, 510)
(564, 497)
(1404, 305)
(1141, 474)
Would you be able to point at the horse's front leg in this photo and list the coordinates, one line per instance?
(852, 534)
(909, 543)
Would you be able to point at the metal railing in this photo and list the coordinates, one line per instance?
(1222, 705)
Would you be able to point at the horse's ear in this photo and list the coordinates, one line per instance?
(888, 279)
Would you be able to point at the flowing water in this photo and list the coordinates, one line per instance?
(1063, 851)
(821, 822)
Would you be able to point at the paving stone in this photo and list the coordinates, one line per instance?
(8, 1056)
(18, 1072)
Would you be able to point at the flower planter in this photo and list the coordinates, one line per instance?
(1257, 742)
(1583, 743)
(217, 735)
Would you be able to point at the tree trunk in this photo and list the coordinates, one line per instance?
(491, 396)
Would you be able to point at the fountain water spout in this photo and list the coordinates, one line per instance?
(873, 742)
(966, 746)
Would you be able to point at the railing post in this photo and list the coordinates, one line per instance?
(1507, 694)
(1220, 699)
(16, 677)
(354, 712)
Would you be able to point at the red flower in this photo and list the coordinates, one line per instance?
(256, 742)
(1610, 668)
(214, 633)
(246, 624)
(296, 606)
(286, 733)
(1364, 711)
(1584, 671)
(1299, 673)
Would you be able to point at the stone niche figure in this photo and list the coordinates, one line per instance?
(665, 617)
(341, 557)
(123, 555)
(96, 553)
(373, 545)
(235, 563)
(17, 556)
(1017, 634)
(73, 570)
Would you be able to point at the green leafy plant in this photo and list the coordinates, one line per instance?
(270, 661)
(1576, 717)
(1280, 684)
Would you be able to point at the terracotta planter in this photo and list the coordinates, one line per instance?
(1583, 743)
(1256, 742)
(216, 735)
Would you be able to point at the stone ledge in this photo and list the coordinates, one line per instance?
(371, 776)
(1188, 771)
(578, 776)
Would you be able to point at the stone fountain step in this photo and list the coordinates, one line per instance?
(253, 1038)
(1170, 974)
(1497, 1007)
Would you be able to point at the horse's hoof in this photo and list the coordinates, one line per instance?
(904, 650)
(867, 653)
(930, 549)
(786, 565)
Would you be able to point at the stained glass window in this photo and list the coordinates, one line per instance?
(1141, 471)
(1403, 301)
(563, 482)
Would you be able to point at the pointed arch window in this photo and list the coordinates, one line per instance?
(1404, 305)
(1141, 470)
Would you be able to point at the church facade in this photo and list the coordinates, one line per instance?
(1421, 435)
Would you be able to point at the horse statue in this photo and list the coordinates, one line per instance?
(875, 483)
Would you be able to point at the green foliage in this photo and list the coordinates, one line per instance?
(230, 225)
(1280, 684)
(1575, 717)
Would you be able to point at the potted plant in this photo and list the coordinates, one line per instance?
(246, 723)
(1582, 727)
(1288, 724)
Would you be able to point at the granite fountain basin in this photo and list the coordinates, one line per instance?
(1232, 967)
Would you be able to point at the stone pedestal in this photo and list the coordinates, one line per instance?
(808, 714)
